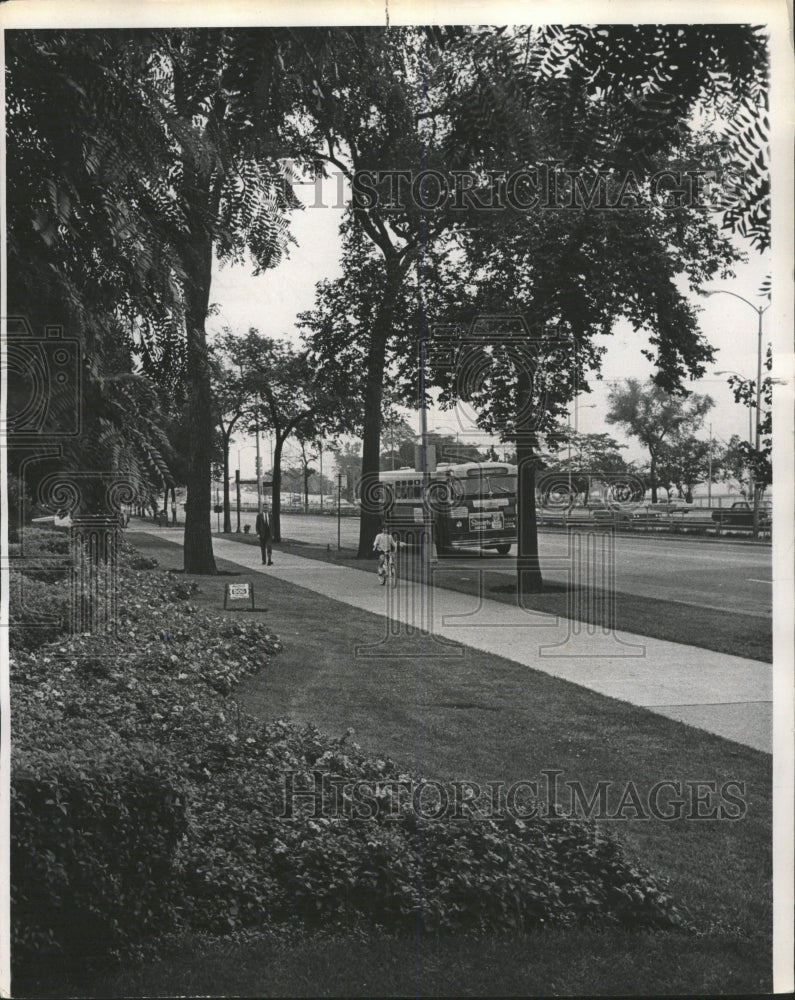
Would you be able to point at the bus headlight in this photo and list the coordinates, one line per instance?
(459, 524)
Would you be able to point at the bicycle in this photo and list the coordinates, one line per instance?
(387, 568)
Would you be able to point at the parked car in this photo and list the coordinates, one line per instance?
(611, 510)
(672, 507)
(741, 515)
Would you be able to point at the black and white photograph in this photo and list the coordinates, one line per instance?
(397, 499)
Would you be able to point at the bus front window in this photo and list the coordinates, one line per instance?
(477, 486)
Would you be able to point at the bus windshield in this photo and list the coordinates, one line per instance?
(489, 485)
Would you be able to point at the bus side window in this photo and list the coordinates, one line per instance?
(417, 492)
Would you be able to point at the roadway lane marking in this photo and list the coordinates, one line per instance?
(750, 579)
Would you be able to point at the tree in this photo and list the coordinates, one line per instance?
(163, 160)
(84, 236)
(656, 418)
(735, 465)
(216, 88)
(288, 396)
(686, 462)
(348, 458)
(308, 455)
(594, 455)
(486, 94)
(758, 462)
(367, 107)
(229, 406)
(401, 439)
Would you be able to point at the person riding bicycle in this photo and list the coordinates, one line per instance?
(384, 544)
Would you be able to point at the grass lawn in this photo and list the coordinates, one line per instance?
(729, 632)
(484, 718)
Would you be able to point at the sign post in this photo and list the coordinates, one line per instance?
(237, 592)
(237, 496)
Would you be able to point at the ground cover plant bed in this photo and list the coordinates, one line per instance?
(145, 800)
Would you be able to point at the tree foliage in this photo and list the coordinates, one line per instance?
(657, 420)
(287, 395)
(665, 73)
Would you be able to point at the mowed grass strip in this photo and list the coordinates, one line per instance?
(483, 718)
(550, 963)
(729, 632)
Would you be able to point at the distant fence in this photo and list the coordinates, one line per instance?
(674, 522)
(294, 508)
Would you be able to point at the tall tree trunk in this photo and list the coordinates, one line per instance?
(227, 503)
(276, 490)
(369, 522)
(198, 257)
(528, 567)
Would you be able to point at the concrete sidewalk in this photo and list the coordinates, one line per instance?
(726, 695)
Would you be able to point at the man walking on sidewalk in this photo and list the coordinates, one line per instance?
(263, 529)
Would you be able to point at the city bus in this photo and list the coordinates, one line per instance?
(468, 504)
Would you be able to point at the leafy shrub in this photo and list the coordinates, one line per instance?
(94, 828)
(142, 562)
(44, 541)
(245, 865)
(38, 611)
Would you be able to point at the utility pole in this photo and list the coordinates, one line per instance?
(339, 514)
(757, 436)
(709, 481)
(259, 464)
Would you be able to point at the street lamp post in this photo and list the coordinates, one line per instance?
(759, 310)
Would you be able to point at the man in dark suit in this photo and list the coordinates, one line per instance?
(263, 529)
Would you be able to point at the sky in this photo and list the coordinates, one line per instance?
(271, 301)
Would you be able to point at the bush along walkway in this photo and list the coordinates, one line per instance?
(145, 801)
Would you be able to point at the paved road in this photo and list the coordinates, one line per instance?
(729, 576)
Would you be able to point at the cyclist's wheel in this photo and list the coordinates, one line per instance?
(392, 574)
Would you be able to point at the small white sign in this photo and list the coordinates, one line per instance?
(239, 592)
